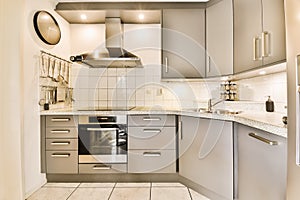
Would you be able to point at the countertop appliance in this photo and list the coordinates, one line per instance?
(102, 139)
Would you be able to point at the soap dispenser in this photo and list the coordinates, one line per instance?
(269, 105)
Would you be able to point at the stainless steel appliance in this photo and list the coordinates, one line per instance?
(102, 139)
(292, 10)
(112, 55)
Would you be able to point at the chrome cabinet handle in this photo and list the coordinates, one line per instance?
(60, 131)
(97, 167)
(180, 130)
(151, 119)
(265, 140)
(152, 130)
(102, 129)
(255, 56)
(104, 118)
(151, 154)
(208, 64)
(60, 119)
(60, 143)
(265, 40)
(167, 67)
(60, 155)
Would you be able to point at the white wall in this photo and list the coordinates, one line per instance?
(11, 176)
(32, 45)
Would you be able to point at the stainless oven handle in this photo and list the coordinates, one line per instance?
(102, 129)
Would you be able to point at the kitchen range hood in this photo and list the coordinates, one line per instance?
(113, 55)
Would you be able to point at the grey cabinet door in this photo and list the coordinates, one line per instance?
(219, 39)
(247, 35)
(261, 167)
(274, 29)
(183, 43)
(208, 154)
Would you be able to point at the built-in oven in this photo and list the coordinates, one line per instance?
(102, 139)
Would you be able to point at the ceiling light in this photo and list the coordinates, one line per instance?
(83, 17)
(141, 16)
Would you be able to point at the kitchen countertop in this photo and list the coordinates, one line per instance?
(270, 122)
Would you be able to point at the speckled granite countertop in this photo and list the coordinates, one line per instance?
(270, 122)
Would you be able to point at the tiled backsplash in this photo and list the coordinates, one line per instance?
(143, 86)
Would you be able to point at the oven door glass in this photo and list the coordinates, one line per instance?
(98, 139)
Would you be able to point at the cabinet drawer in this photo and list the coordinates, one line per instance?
(102, 168)
(64, 120)
(61, 144)
(151, 138)
(151, 120)
(151, 161)
(63, 162)
(57, 132)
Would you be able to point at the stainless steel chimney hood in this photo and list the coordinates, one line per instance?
(113, 56)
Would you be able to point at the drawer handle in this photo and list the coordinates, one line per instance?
(96, 167)
(102, 129)
(60, 143)
(67, 155)
(152, 130)
(151, 119)
(60, 119)
(270, 142)
(151, 154)
(60, 131)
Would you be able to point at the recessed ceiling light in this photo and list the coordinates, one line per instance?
(83, 16)
(262, 72)
(141, 16)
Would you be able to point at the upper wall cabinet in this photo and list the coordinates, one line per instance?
(183, 43)
(259, 37)
(219, 39)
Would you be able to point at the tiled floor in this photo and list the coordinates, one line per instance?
(116, 191)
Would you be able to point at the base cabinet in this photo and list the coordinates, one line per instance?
(261, 163)
(151, 161)
(102, 168)
(61, 145)
(151, 144)
(206, 154)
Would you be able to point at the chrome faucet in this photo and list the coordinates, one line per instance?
(210, 105)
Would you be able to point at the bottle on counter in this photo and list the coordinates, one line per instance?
(269, 105)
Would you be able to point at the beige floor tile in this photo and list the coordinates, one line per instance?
(197, 196)
(134, 184)
(174, 184)
(97, 185)
(91, 194)
(62, 185)
(175, 193)
(140, 193)
(51, 193)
